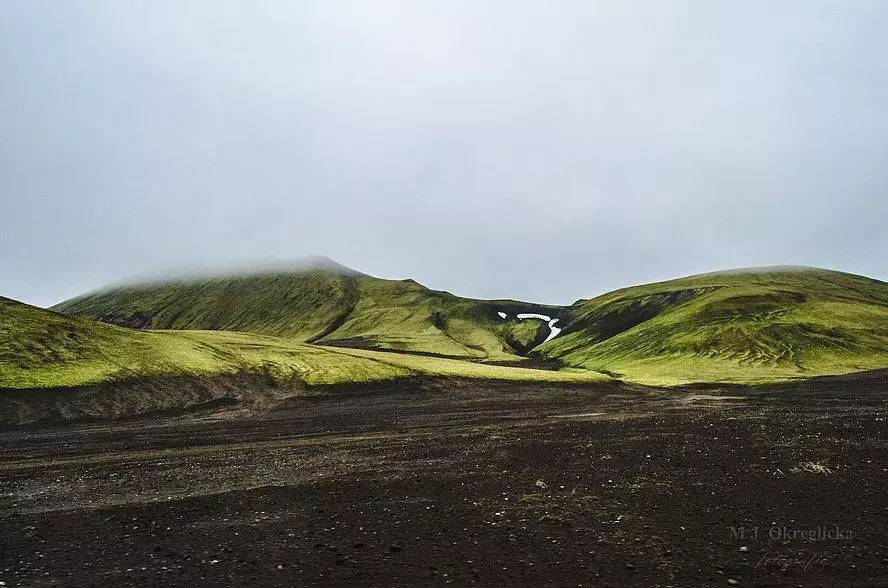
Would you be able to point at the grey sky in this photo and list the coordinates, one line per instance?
(544, 151)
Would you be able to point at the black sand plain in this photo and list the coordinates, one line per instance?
(462, 482)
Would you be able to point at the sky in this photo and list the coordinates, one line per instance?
(531, 150)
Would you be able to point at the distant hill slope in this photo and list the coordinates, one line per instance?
(55, 367)
(741, 325)
(325, 304)
(43, 349)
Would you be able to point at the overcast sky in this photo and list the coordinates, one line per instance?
(537, 150)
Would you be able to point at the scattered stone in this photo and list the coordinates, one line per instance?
(541, 484)
(744, 549)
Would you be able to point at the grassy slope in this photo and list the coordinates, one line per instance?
(328, 306)
(297, 305)
(39, 348)
(745, 326)
(741, 326)
(42, 349)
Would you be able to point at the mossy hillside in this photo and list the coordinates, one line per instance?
(298, 305)
(740, 326)
(746, 326)
(43, 349)
(336, 306)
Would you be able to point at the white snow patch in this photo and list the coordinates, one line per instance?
(542, 317)
(553, 330)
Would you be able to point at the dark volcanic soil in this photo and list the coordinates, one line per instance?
(464, 483)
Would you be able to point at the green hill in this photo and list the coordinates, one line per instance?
(759, 324)
(43, 349)
(59, 368)
(325, 304)
(329, 324)
(39, 348)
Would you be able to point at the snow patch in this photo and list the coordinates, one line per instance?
(553, 330)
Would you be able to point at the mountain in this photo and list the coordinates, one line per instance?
(740, 325)
(324, 303)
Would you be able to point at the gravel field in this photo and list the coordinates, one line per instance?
(464, 482)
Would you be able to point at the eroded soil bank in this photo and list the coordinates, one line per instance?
(462, 482)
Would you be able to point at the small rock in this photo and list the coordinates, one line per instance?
(744, 549)
(733, 582)
(280, 567)
(541, 484)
